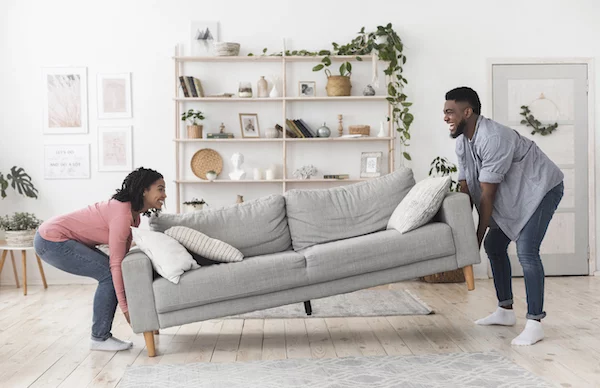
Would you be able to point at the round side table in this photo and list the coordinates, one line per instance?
(5, 248)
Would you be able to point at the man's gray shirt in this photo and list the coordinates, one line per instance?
(498, 154)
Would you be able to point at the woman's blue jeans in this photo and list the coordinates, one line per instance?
(528, 251)
(74, 257)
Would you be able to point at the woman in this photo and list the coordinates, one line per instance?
(68, 242)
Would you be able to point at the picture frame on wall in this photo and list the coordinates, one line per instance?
(114, 96)
(67, 161)
(249, 125)
(115, 148)
(64, 94)
(370, 164)
(307, 89)
(203, 34)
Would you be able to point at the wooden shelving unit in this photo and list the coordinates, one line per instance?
(179, 62)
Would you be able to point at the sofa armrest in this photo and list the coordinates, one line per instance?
(138, 279)
(456, 211)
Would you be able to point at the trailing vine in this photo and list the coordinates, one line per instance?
(537, 126)
(389, 47)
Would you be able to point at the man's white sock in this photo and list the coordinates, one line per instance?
(110, 345)
(501, 316)
(532, 333)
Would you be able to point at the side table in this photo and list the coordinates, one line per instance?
(5, 248)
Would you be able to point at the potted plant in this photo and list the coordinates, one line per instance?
(20, 229)
(337, 85)
(20, 181)
(193, 117)
(211, 175)
(194, 205)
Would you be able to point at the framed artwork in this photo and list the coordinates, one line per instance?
(70, 161)
(115, 149)
(202, 37)
(307, 89)
(114, 96)
(370, 164)
(249, 125)
(65, 100)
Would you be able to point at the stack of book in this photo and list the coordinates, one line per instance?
(337, 176)
(192, 87)
(219, 135)
(300, 128)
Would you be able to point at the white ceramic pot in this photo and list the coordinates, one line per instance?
(19, 238)
(211, 176)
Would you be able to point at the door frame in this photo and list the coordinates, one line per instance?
(594, 265)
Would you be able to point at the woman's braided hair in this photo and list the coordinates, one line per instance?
(133, 187)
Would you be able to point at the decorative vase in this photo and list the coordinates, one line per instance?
(274, 92)
(211, 176)
(272, 133)
(323, 131)
(194, 131)
(381, 130)
(245, 90)
(19, 238)
(262, 87)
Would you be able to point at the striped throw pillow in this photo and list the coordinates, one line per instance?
(205, 246)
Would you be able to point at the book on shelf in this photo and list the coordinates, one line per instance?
(191, 86)
(301, 129)
(336, 176)
(219, 136)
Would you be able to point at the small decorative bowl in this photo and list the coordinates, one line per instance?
(227, 49)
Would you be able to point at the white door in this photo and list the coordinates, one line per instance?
(554, 93)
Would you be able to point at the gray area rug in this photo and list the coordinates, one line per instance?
(363, 303)
(488, 369)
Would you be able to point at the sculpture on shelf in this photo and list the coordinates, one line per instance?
(305, 172)
(238, 173)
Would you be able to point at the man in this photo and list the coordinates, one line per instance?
(516, 188)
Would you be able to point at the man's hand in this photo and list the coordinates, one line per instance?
(488, 195)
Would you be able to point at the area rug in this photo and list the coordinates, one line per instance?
(363, 303)
(486, 369)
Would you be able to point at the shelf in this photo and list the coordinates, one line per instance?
(184, 181)
(274, 99)
(290, 139)
(266, 58)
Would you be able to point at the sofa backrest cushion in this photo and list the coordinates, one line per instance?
(318, 216)
(256, 227)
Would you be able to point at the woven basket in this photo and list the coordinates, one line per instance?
(337, 85)
(456, 276)
(227, 49)
(194, 131)
(206, 160)
(359, 130)
(19, 238)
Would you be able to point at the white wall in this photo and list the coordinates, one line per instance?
(447, 45)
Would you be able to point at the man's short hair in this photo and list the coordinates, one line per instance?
(465, 94)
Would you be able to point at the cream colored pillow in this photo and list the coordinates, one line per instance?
(169, 258)
(420, 205)
(205, 246)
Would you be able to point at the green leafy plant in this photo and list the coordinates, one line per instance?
(19, 221)
(443, 167)
(537, 126)
(389, 47)
(196, 201)
(192, 116)
(20, 181)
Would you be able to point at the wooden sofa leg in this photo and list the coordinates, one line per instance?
(469, 277)
(308, 307)
(149, 337)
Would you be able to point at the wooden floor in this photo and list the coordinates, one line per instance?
(44, 336)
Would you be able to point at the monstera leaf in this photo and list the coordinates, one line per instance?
(20, 181)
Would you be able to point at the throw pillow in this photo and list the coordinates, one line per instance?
(420, 205)
(205, 246)
(169, 258)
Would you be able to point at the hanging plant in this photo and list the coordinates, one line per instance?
(530, 121)
(388, 46)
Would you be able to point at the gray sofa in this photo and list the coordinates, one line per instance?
(303, 245)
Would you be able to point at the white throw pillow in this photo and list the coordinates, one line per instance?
(205, 246)
(169, 258)
(420, 205)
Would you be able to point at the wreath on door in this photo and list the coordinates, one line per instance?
(530, 120)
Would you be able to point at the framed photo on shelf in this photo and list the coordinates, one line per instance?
(307, 89)
(249, 125)
(65, 100)
(114, 96)
(370, 164)
(70, 161)
(115, 149)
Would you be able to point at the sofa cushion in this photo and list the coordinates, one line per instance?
(256, 227)
(252, 276)
(377, 251)
(205, 246)
(318, 216)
